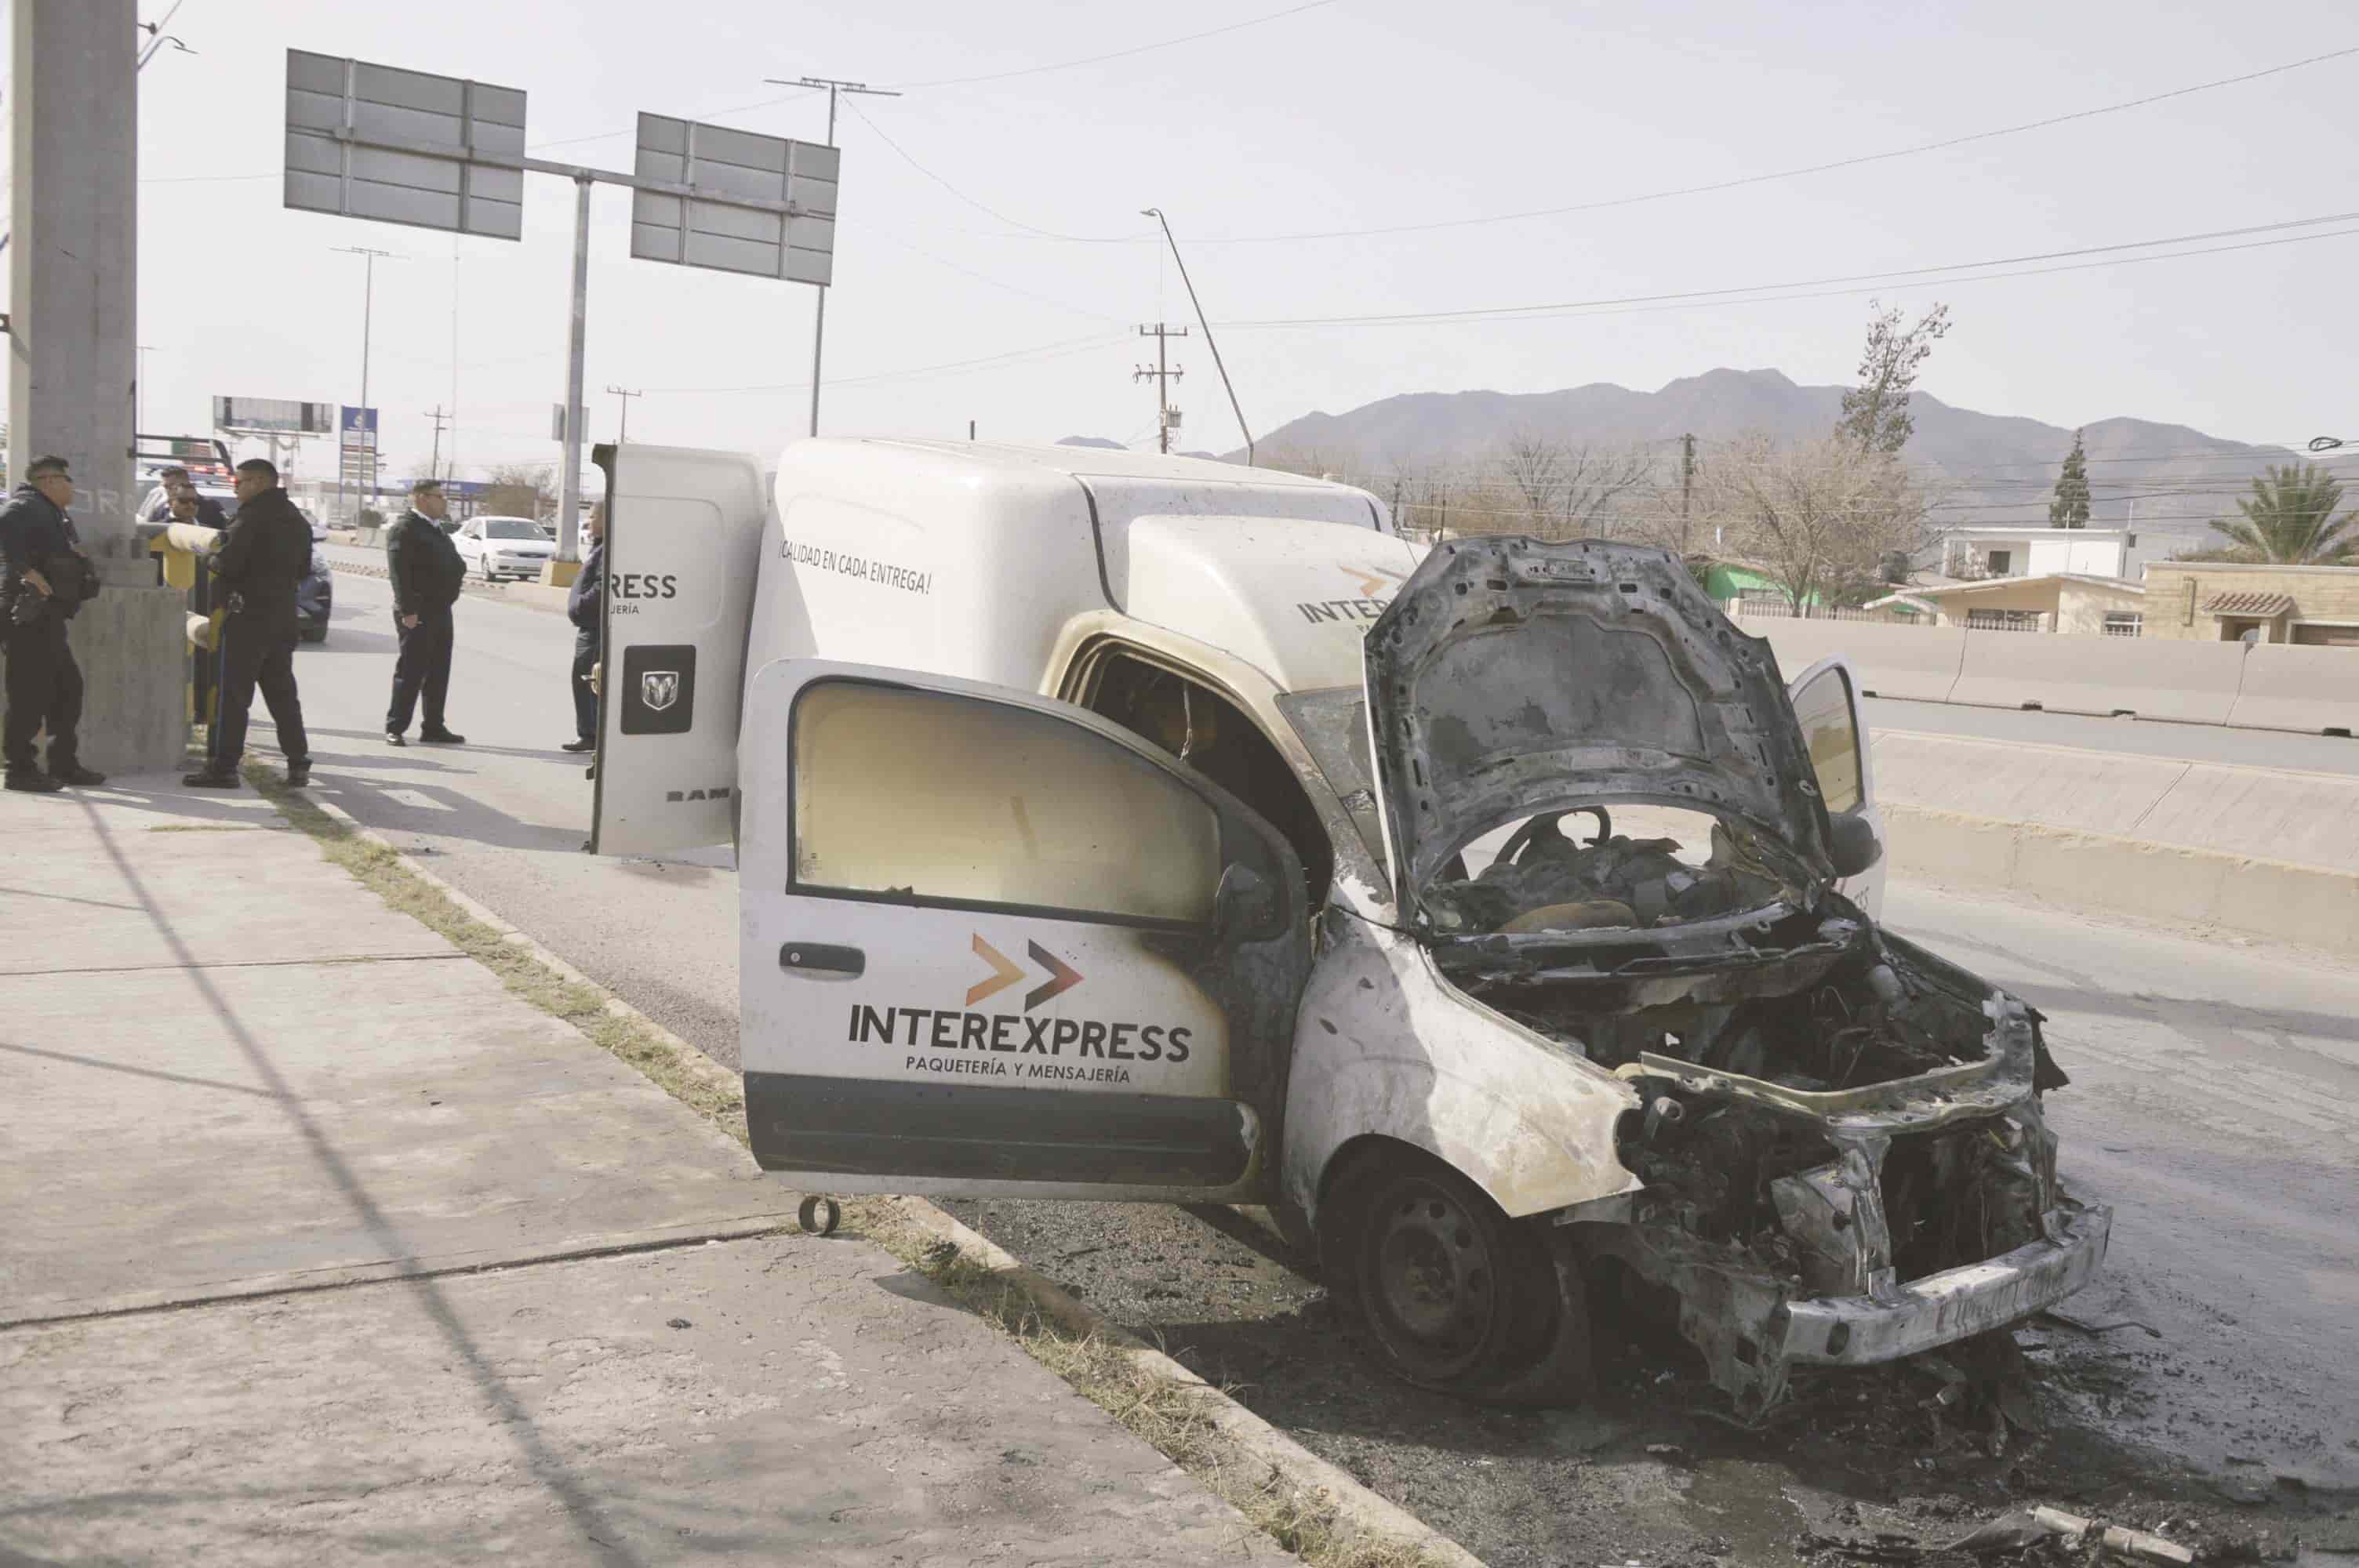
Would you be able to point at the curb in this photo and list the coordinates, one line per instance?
(1253, 1443)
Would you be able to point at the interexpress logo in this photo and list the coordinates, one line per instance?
(1375, 588)
(966, 1040)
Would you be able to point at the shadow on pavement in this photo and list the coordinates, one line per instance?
(410, 755)
(565, 1487)
(343, 637)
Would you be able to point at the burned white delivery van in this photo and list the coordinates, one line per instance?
(1125, 827)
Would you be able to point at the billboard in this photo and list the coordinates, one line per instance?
(719, 233)
(401, 146)
(273, 416)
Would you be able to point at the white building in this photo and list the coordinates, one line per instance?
(1974, 554)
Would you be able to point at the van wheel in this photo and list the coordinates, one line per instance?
(1448, 1292)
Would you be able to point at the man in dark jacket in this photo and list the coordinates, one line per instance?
(585, 607)
(44, 579)
(426, 571)
(174, 480)
(266, 553)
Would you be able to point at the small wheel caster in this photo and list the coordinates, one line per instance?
(819, 1216)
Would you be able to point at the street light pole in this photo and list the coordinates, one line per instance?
(1157, 213)
(368, 312)
(819, 320)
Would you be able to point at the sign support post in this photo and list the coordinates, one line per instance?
(569, 495)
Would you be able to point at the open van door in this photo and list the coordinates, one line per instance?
(1826, 701)
(683, 547)
(994, 945)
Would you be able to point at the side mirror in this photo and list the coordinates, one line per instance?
(1852, 843)
(1242, 904)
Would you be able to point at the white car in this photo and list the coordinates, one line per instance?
(503, 546)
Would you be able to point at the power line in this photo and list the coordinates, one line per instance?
(982, 277)
(862, 115)
(1040, 350)
(1894, 278)
(1122, 54)
(1742, 180)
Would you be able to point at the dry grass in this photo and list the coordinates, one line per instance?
(1106, 1368)
(384, 872)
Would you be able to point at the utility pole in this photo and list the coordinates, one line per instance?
(626, 394)
(1687, 483)
(818, 320)
(434, 464)
(368, 309)
(73, 352)
(1163, 376)
(1210, 341)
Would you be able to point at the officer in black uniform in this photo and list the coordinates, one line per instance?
(585, 607)
(266, 553)
(44, 579)
(426, 570)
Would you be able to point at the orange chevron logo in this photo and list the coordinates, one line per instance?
(1372, 583)
(1005, 972)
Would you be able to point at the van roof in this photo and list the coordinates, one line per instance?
(1091, 462)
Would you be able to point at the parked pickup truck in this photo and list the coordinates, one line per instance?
(1124, 827)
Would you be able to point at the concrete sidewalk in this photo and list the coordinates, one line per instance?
(320, 1245)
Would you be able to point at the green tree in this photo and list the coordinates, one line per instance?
(2071, 507)
(1876, 417)
(2288, 520)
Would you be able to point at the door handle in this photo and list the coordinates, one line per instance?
(821, 958)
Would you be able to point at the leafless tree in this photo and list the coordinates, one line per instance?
(1599, 483)
(1533, 468)
(520, 490)
(1820, 518)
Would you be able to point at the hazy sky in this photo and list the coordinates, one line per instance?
(1353, 115)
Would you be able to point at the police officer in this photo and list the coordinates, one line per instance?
(44, 579)
(584, 608)
(426, 571)
(266, 553)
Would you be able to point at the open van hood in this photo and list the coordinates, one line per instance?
(1510, 676)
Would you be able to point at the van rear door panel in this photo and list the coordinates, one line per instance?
(684, 548)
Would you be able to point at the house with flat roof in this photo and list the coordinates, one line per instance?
(2054, 601)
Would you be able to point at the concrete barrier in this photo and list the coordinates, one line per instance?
(1919, 663)
(2274, 814)
(2191, 682)
(2091, 791)
(2309, 907)
(2315, 690)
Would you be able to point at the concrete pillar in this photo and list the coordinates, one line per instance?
(73, 356)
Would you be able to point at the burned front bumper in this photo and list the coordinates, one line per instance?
(1941, 1309)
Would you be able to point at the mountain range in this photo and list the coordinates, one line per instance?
(2167, 481)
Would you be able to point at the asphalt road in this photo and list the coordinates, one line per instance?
(2216, 1105)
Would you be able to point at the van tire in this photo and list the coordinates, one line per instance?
(1447, 1293)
